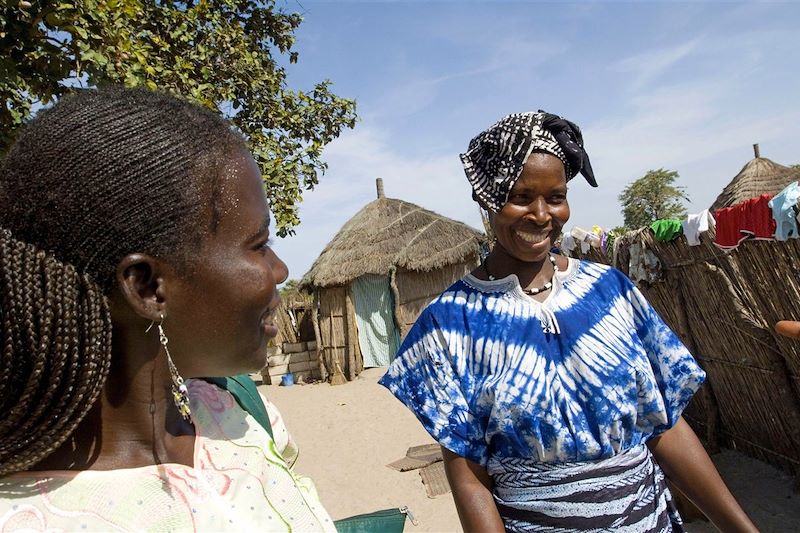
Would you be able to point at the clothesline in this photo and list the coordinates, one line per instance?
(764, 217)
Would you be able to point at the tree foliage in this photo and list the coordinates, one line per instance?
(653, 196)
(291, 286)
(220, 53)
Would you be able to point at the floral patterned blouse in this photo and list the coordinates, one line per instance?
(241, 481)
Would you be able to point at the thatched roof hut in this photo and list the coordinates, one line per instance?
(759, 176)
(376, 275)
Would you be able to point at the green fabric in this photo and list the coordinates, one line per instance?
(374, 306)
(667, 229)
(386, 521)
(244, 391)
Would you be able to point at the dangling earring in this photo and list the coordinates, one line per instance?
(179, 391)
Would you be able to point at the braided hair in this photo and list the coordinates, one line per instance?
(98, 176)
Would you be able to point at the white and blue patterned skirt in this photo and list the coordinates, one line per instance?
(625, 493)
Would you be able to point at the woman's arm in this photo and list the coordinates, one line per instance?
(472, 493)
(686, 463)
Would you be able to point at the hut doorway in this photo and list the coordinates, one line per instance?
(374, 307)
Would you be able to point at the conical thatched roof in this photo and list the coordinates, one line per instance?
(390, 233)
(759, 176)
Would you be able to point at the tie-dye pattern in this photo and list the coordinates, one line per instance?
(487, 382)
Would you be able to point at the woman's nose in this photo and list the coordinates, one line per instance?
(538, 212)
(279, 270)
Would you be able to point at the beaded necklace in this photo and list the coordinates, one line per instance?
(536, 290)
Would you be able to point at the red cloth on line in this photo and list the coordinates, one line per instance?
(751, 218)
(728, 234)
(758, 218)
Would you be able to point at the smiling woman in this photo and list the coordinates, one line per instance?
(134, 253)
(553, 387)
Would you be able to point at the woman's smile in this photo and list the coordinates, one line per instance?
(533, 237)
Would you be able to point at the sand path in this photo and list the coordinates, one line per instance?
(348, 434)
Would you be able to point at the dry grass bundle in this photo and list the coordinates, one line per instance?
(759, 176)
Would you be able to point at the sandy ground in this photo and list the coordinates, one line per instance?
(348, 434)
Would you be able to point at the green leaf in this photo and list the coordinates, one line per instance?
(81, 32)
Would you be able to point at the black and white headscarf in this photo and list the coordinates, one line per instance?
(494, 160)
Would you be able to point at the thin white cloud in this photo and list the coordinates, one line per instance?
(505, 59)
(649, 66)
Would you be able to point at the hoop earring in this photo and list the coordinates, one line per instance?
(179, 391)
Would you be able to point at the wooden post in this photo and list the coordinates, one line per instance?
(756, 151)
(323, 371)
(352, 369)
(396, 298)
(337, 374)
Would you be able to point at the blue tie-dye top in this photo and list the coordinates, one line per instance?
(487, 380)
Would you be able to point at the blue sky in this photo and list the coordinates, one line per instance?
(687, 86)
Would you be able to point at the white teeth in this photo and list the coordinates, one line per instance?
(533, 237)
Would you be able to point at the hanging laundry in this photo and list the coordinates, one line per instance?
(601, 238)
(696, 224)
(608, 246)
(579, 234)
(585, 238)
(783, 207)
(643, 265)
(667, 229)
(751, 218)
(758, 220)
(567, 243)
(728, 223)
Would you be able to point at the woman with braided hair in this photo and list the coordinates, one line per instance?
(553, 387)
(134, 253)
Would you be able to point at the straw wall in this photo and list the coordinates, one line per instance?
(299, 330)
(337, 333)
(723, 306)
(416, 289)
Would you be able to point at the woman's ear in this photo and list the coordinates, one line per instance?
(141, 285)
